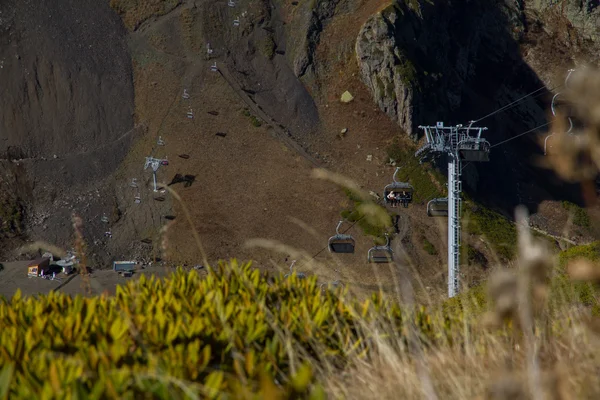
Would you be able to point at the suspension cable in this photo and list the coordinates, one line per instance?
(514, 103)
(520, 134)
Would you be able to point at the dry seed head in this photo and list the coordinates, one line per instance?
(507, 387)
(583, 270)
(502, 290)
(534, 257)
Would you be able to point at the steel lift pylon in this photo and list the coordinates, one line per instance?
(459, 145)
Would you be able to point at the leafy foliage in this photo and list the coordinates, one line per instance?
(228, 335)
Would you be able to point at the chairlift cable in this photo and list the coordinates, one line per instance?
(514, 103)
(325, 248)
(521, 134)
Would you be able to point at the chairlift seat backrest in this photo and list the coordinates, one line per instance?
(381, 254)
(341, 243)
(438, 207)
(474, 149)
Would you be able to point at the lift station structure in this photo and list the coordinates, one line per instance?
(458, 143)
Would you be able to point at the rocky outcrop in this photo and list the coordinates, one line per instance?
(417, 64)
(583, 15)
(317, 15)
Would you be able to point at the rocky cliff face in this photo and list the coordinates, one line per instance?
(419, 62)
(463, 60)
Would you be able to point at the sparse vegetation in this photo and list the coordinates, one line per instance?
(428, 247)
(134, 12)
(255, 121)
(424, 178)
(580, 215)
(266, 46)
(355, 215)
(497, 230)
(187, 27)
(11, 216)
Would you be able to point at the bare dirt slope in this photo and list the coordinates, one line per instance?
(66, 110)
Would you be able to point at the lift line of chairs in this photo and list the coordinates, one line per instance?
(344, 243)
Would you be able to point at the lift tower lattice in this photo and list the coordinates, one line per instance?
(459, 145)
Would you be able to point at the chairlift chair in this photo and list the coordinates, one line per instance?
(190, 114)
(137, 199)
(186, 95)
(231, 3)
(209, 51)
(160, 141)
(341, 243)
(104, 218)
(236, 21)
(300, 275)
(133, 183)
(381, 254)
(404, 188)
(438, 207)
(474, 149)
(213, 67)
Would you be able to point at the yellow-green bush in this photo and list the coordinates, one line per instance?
(228, 335)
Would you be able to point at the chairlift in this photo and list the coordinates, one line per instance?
(341, 243)
(381, 254)
(186, 95)
(474, 149)
(190, 114)
(108, 234)
(213, 67)
(438, 207)
(104, 218)
(300, 275)
(160, 141)
(133, 183)
(398, 192)
(236, 21)
(137, 199)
